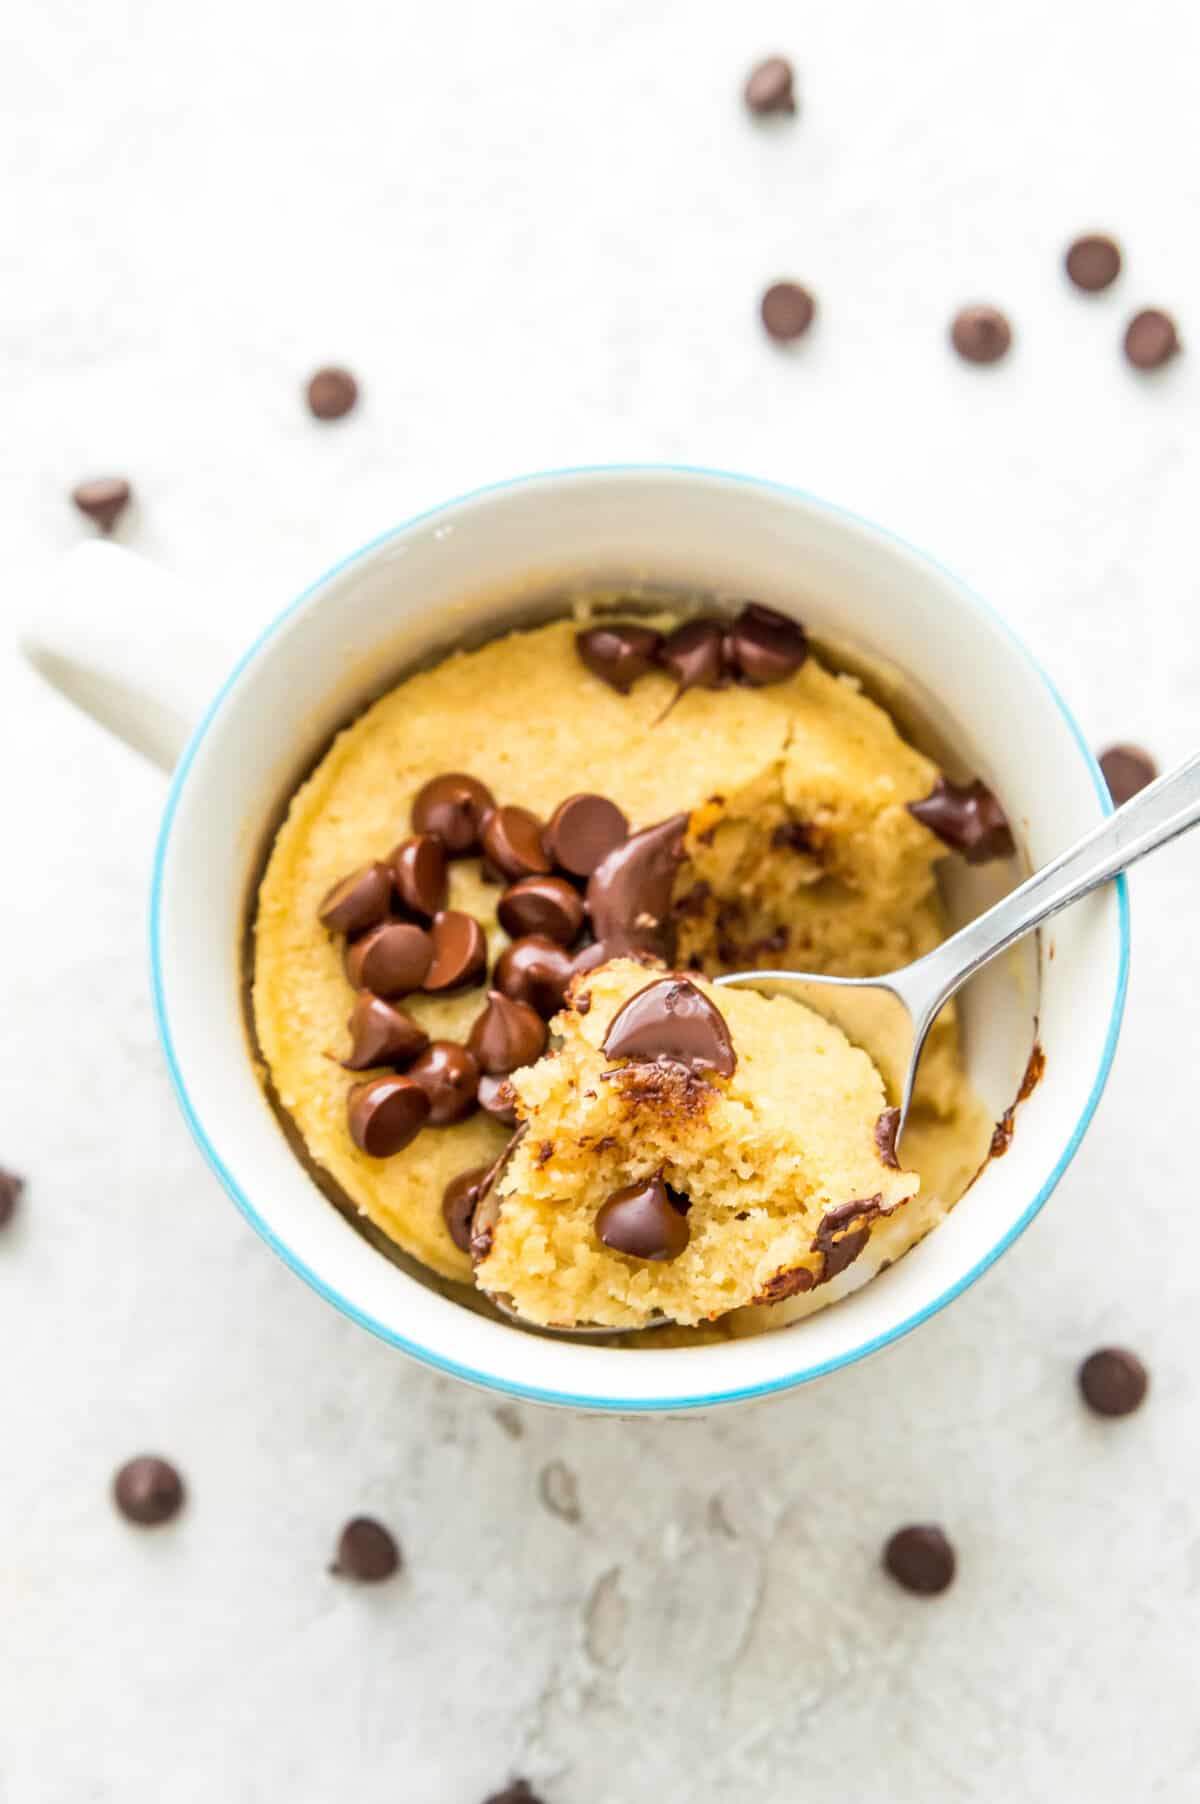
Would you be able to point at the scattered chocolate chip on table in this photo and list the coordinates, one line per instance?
(1151, 339)
(980, 334)
(331, 392)
(1127, 768)
(148, 1490)
(920, 1558)
(1093, 262)
(787, 311)
(519, 1792)
(11, 1188)
(366, 1551)
(1113, 1381)
(103, 499)
(771, 86)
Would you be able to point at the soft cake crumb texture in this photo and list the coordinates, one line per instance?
(525, 716)
(761, 1155)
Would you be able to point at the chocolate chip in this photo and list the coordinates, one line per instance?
(459, 952)
(1093, 262)
(148, 1490)
(629, 892)
(796, 836)
(487, 1210)
(1151, 339)
(770, 87)
(498, 1099)
(583, 830)
(672, 1019)
(846, 1215)
(920, 1558)
(1127, 768)
(331, 392)
(359, 901)
(694, 654)
(1113, 1381)
(419, 871)
(787, 311)
(385, 1113)
(453, 806)
(103, 499)
(645, 1220)
(885, 1137)
(591, 953)
(764, 646)
(449, 1075)
(381, 1034)
(619, 655)
(844, 1252)
(392, 959)
(980, 334)
(512, 843)
(786, 1284)
(840, 1238)
(967, 818)
(366, 1551)
(519, 1792)
(536, 971)
(506, 1035)
(548, 905)
(458, 1205)
(11, 1188)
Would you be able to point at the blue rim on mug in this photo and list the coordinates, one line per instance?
(535, 1393)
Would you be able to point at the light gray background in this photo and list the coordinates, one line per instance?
(538, 231)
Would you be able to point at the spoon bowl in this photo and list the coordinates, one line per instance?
(890, 1017)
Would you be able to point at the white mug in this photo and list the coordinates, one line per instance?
(128, 654)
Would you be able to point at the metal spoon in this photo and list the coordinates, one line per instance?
(913, 997)
(895, 1033)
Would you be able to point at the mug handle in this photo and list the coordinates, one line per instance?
(121, 640)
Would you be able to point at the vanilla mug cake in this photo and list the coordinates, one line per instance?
(509, 857)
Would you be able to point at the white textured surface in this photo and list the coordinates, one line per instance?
(538, 233)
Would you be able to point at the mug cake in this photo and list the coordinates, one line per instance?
(510, 857)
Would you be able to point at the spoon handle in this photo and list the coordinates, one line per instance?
(1159, 813)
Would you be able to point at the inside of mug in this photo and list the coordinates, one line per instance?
(997, 1010)
(948, 672)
